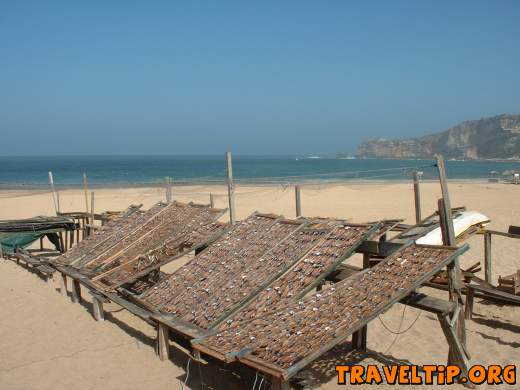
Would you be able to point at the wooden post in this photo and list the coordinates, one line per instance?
(53, 191)
(97, 307)
(446, 198)
(1, 251)
(487, 256)
(63, 285)
(454, 285)
(211, 201)
(231, 188)
(470, 297)
(297, 196)
(279, 384)
(62, 245)
(58, 200)
(168, 189)
(417, 196)
(76, 291)
(85, 191)
(92, 212)
(360, 336)
(163, 344)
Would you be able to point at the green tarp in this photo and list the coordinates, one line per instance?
(11, 241)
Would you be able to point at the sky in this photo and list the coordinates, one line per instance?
(257, 78)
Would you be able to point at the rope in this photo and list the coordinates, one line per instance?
(400, 332)
(187, 374)
(256, 378)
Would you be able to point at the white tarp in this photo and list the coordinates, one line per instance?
(462, 223)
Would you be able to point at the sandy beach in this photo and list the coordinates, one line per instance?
(46, 342)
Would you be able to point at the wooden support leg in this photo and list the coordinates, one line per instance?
(279, 384)
(62, 245)
(41, 243)
(63, 285)
(76, 291)
(163, 344)
(457, 351)
(470, 296)
(359, 339)
(97, 306)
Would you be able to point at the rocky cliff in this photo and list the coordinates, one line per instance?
(497, 137)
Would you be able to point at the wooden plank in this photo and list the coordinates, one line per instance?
(503, 234)
(514, 230)
(424, 302)
(178, 325)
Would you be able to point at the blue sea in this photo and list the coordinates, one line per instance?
(146, 170)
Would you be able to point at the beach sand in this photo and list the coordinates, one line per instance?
(46, 342)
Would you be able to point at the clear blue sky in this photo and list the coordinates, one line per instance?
(280, 77)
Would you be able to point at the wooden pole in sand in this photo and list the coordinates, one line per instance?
(92, 212)
(417, 195)
(454, 273)
(168, 181)
(53, 190)
(211, 201)
(231, 188)
(85, 190)
(487, 256)
(298, 199)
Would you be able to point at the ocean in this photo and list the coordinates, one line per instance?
(151, 170)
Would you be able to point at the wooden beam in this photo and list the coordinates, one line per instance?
(211, 201)
(231, 188)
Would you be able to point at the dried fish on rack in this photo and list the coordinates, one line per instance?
(98, 236)
(189, 235)
(179, 219)
(318, 263)
(224, 274)
(135, 237)
(292, 336)
(119, 230)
